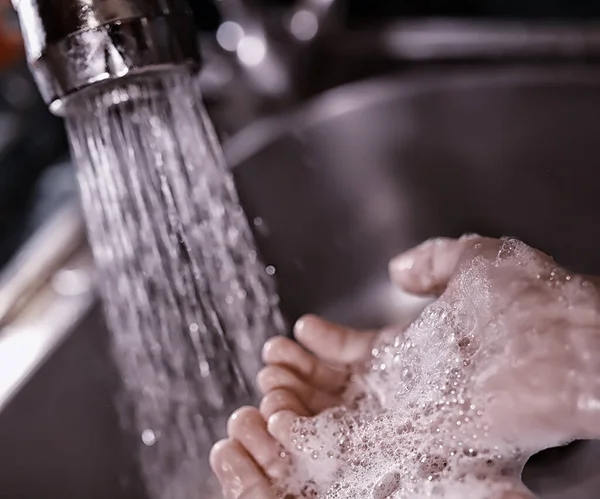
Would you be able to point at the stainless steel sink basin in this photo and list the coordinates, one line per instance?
(371, 169)
(333, 191)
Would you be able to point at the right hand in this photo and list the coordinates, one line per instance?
(539, 331)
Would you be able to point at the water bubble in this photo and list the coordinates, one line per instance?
(468, 345)
(261, 226)
(507, 249)
(270, 270)
(407, 374)
(386, 486)
(148, 437)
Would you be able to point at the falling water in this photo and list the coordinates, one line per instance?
(187, 300)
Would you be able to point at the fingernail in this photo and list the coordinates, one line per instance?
(215, 451)
(402, 263)
(300, 324)
(267, 347)
(303, 324)
(280, 424)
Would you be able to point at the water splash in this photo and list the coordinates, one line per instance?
(187, 299)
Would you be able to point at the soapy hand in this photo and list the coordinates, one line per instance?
(538, 375)
(298, 380)
(540, 326)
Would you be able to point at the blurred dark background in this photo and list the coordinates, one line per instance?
(361, 11)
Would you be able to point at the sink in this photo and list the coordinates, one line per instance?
(333, 191)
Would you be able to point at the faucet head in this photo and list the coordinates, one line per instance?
(73, 44)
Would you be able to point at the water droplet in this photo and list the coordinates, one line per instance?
(233, 234)
(261, 227)
(270, 269)
(387, 485)
(204, 369)
(148, 437)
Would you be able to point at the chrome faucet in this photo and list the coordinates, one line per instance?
(72, 44)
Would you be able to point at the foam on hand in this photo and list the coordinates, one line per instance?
(422, 420)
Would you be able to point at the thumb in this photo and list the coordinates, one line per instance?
(427, 268)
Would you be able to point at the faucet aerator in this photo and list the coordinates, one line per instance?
(73, 44)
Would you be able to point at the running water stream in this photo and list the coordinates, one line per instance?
(187, 299)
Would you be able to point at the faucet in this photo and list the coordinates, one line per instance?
(73, 44)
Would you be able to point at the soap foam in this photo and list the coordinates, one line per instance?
(421, 425)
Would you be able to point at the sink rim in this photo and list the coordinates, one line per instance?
(363, 94)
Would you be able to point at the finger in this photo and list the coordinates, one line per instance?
(333, 343)
(273, 377)
(281, 399)
(280, 427)
(247, 426)
(426, 269)
(285, 352)
(238, 474)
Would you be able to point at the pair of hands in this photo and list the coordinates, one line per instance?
(542, 380)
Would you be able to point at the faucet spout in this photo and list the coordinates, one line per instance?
(73, 44)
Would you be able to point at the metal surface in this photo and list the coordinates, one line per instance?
(371, 169)
(39, 259)
(483, 40)
(44, 289)
(71, 44)
(399, 43)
